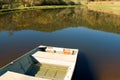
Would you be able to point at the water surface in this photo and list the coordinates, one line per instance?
(95, 34)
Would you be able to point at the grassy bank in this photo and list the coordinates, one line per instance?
(104, 7)
(35, 7)
(113, 9)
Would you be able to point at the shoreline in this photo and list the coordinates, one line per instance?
(2, 11)
(99, 6)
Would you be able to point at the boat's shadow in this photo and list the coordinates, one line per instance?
(83, 70)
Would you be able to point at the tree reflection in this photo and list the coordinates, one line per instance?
(56, 19)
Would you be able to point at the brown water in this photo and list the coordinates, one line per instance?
(95, 34)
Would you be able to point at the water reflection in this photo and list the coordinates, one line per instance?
(56, 19)
(95, 34)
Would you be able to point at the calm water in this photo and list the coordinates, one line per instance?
(95, 34)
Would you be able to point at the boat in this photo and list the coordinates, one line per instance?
(42, 63)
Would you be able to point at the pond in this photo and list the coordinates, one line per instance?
(95, 34)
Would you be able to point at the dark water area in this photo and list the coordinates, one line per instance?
(95, 34)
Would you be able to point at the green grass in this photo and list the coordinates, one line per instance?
(105, 7)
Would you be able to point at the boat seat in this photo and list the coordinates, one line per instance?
(9, 75)
(57, 59)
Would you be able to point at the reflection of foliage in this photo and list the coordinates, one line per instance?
(55, 19)
(101, 21)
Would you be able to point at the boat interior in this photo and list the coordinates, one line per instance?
(49, 65)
